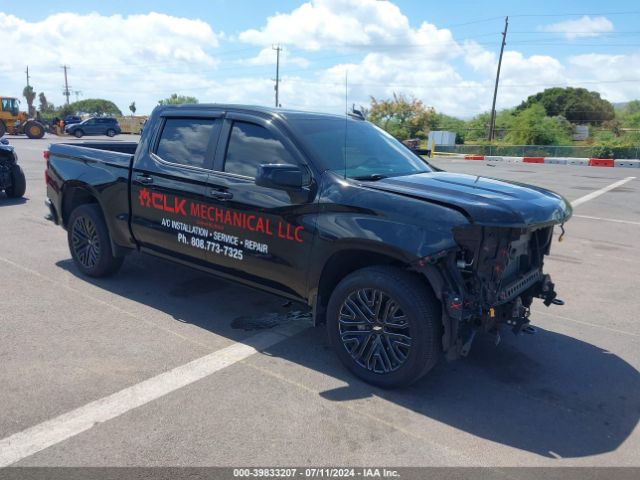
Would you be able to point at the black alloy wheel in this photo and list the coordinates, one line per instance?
(85, 242)
(90, 243)
(374, 330)
(385, 325)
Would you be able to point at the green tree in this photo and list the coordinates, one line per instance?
(629, 114)
(632, 120)
(93, 106)
(132, 108)
(401, 116)
(478, 127)
(176, 99)
(30, 95)
(45, 105)
(631, 107)
(578, 105)
(531, 126)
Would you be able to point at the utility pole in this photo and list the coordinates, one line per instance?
(492, 124)
(66, 92)
(28, 77)
(277, 86)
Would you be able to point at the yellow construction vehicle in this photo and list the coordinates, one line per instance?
(15, 122)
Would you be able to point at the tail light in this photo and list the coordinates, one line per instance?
(45, 154)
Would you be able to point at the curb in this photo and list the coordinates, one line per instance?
(577, 162)
(627, 163)
(601, 162)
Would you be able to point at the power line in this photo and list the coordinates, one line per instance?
(463, 84)
(574, 14)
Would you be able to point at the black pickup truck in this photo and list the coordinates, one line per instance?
(404, 262)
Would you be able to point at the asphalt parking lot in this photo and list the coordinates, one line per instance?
(567, 395)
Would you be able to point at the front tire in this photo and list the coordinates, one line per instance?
(18, 183)
(34, 130)
(384, 324)
(89, 242)
(78, 133)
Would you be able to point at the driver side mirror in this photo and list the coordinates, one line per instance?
(282, 176)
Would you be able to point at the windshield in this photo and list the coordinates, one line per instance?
(369, 152)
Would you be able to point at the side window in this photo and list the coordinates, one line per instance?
(249, 146)
(186, 140)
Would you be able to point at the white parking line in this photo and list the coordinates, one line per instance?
(597, 193)
(615, 220)
(32, 440)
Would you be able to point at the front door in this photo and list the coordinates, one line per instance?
(262, 235)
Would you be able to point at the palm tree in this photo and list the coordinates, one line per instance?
(30, 94)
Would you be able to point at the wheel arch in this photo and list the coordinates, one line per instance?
(346, 261)
(74, 195)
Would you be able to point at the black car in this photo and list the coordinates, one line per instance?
(94, 126)
(12, 179)
(404, 262)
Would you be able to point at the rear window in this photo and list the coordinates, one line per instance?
(186, 141)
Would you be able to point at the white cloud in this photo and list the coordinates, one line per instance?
(148, 57)
(584, 27)
(110, 56)
(616, 77)
(321, 24)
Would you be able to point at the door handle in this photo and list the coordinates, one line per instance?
(144, 179)
(220, 195)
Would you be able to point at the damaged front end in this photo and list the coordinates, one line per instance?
(490, 281)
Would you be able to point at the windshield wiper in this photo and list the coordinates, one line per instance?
(370, 178)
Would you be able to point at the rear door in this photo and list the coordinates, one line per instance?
(262, 235)
(169, 176)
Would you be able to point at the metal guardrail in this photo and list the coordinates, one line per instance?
(543, 151)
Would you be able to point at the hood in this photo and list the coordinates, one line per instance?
(484, 200)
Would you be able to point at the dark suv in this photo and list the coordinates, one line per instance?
(94, 126)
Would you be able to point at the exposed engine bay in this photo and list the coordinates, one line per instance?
(491, 280)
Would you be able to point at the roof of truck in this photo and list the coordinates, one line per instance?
(271, 111)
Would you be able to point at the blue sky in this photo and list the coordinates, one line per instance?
(441, 52)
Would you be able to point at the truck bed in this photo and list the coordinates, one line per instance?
(119, 154)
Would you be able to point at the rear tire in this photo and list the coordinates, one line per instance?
(3, 128)
(18, 183)
(385, 326)
(78, 133)
(111, 133)
(89, 242)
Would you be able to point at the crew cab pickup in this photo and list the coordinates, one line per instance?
(404, 262)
